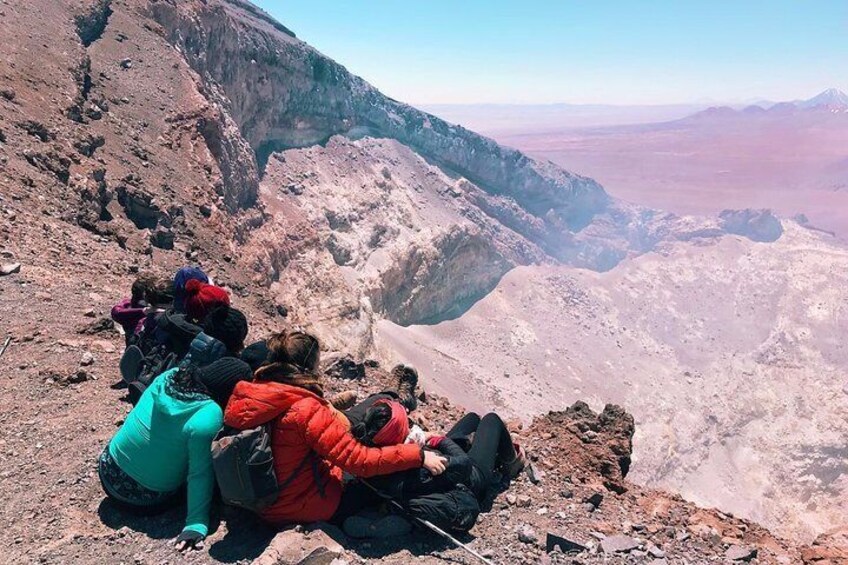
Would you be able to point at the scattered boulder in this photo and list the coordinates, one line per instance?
(618, 544)
(300, 548)
(103, 325)
(523, 501)
(9, 269)
(87, 359)
(527, 535)
(595, 499)
(740, 553)
(756, 225)
(80, 376)
(162, 238)
(345, 367)
(564, 545)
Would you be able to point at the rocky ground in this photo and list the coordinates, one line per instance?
(61, 405)
(133, 137)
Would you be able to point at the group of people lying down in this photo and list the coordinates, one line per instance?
(334, 461)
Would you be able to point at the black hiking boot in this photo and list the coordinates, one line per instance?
(407, 382)
(511, 469)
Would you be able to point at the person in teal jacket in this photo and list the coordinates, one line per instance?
(164, 446)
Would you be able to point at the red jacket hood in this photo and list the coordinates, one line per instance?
(255, 403)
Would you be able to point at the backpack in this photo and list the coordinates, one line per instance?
(244, 467)
(456, 509)
(243, 463)
(178, 343)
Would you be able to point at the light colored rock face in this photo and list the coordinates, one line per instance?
(729, 353)
(283, 94)
(380, 231)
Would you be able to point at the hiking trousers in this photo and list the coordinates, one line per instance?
(491, 447)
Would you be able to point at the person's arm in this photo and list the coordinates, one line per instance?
(332, 441)
(200, 482)
(458, 468)
(124, 314)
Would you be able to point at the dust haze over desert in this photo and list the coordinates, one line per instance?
(684, 260)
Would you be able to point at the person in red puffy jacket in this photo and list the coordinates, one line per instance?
(311, 442)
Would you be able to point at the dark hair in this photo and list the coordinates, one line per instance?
(139, 289)
(160, 290)
(375, 419)
(299, 349)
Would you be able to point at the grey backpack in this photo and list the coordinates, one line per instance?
(244, 467)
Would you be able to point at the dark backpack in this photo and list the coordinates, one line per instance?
(456, 509)
(178, 343)
(244, 468)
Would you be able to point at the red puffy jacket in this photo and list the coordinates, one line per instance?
(304, 423)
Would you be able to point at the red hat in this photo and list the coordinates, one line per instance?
(202, 298)
(396, 429)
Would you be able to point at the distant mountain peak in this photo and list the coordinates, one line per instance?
(832, 98)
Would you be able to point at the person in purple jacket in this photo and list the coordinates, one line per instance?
(129, 312)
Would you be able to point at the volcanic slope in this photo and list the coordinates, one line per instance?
(721, 350)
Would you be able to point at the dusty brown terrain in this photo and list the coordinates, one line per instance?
(793, 162)
(139, 135)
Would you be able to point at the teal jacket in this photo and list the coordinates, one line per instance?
(165, 442)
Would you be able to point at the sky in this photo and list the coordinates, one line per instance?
(580, 51)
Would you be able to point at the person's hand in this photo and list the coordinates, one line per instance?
(189, 540)
(431, 435)
(434, 463)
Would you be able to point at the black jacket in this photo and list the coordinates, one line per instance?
(449, 500)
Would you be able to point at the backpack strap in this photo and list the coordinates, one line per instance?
(296, 472)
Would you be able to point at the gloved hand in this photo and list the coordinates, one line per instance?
(189, 540)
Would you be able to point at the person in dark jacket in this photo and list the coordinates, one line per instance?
(450, 500)
(181, 278)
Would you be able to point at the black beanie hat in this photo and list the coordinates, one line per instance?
(228, 325)
(220, 377)
(256, 354)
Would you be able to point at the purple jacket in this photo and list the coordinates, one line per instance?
(131, 319)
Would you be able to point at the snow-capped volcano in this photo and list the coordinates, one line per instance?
(832, 98)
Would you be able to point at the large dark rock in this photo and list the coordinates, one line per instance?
(756, 225)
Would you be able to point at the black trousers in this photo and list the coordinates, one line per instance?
(492, 445)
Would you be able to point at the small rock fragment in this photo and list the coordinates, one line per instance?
(595, 499)
(9, 269)
(618, 544)
(527, 534)
(740, 553)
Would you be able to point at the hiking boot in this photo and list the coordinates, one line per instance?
(511, 469)
(343, 400)
(131, 364)
(407, 381)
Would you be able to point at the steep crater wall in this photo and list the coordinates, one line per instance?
(284, 94)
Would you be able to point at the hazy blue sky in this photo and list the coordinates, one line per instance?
(580, 51)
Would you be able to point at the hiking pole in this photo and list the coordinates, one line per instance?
(5, 345)
(428, 524)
